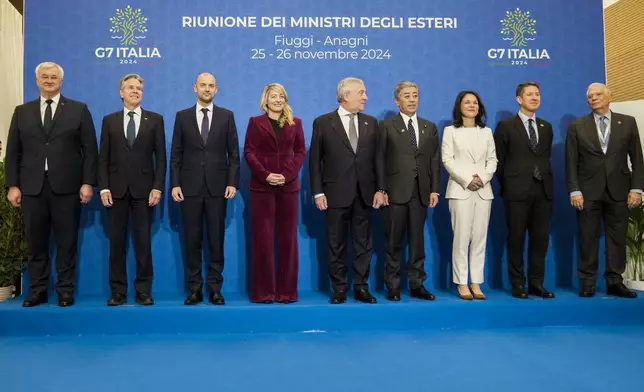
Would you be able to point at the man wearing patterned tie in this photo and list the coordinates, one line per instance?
(602, 187)
(409, 158)
(50, 169)
(204, 173)
(131, 177)
(344, 181)
(523, 148)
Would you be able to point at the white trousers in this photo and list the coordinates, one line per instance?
(470, 220)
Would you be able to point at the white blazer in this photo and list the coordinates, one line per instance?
(465, 153)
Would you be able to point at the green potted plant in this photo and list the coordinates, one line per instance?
(634, 274)
(13, 248)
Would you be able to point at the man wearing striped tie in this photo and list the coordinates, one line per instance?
(409, 158)
(131, 176)
(602, 187)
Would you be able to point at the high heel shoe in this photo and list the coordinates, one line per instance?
(466, 296)
(477, 295)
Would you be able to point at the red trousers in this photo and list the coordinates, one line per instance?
(274, 213)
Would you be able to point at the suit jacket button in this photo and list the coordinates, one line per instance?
(46, 144)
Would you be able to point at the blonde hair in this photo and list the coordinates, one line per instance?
(287, 113)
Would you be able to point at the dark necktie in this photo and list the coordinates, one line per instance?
(131, 130)
(412, 135)
(48, 117)
(533, 145)
(205, 127)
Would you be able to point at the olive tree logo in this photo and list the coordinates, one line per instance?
(516, 25)
(128, 21)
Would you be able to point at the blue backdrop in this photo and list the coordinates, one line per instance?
(443, 45)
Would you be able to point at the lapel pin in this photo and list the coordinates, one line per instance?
(366, 123)
(423, 131)
(541, 125)
(619, 122)
(425, 125)
(402, 130)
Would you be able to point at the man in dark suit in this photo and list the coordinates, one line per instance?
(204, 172)
(523, 149)
(131, 176)
(344, 183)
(408, 159)
(50, 165)
(601, 186)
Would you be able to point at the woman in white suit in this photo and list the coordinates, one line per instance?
(469, 156)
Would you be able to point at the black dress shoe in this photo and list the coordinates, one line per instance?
(193, 299)
(422, 293)
(216, 298)
(587, 291)
(519, 292)
(620, 290)
(117, 300)
(35, 299)
(65, 299)
(144, 299)
(363, 295)
(339, 297)
(540, 291)
(393, 295)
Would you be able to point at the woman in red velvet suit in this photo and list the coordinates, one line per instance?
(274, 150)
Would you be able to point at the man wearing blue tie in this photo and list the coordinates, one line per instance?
(602, 187)
(131, 176)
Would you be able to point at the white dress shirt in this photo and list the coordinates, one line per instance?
(43, 107)
(210, 108)
(526, 124)
(414, 121)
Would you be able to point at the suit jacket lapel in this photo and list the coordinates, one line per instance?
(59, 110)
(615, 132)
(267, 127)
(591, 132)
(37, 114)
(118, 127)
(423, 128)
(336, 123)
(196, 126)
(520, 127)
(544, 136)
(143, 126)
(362, 130)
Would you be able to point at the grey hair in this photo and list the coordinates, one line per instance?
(128, 77)
(49, 64)
(403, 85)
(343, 86)
(597, 84)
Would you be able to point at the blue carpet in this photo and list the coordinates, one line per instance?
(585, 359)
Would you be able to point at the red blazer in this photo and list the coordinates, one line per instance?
(265, 156)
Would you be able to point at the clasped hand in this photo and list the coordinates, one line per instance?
(275, 179)
(476, 183)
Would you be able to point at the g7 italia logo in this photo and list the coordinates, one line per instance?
(128, 26)
(518, 29)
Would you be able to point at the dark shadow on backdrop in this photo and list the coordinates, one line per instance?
(563, 225)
